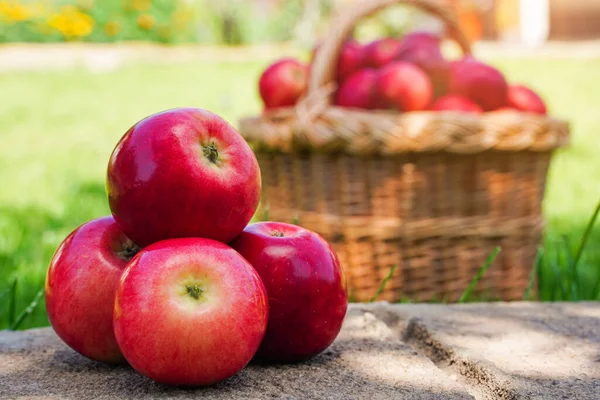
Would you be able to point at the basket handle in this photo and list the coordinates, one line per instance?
(323, 69)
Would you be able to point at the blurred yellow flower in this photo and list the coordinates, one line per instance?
(112, 28)
(142, 5)
(71, 22)
(146, 21)
(181, 16)
(14, 11)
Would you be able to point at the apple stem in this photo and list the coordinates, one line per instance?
(211, 152)
(194, 290)
(277, 234)
(129, 251)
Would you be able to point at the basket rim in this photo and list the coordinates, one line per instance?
(358, 131)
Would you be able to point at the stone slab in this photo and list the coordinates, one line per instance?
(507, 350)
(367, 361)
(481, 351)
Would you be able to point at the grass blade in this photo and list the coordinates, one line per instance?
(296, 220)
(12, 302)
(543, 283)
(572, 276)
(27, 311)
(536, 267)
(266, 214)
(383, 283)
(558, 278)
(479, 275)
(585, 238)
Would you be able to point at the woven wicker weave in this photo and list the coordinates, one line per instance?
(430, 192)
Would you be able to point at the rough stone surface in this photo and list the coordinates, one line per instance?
(480, 351)
(508, 350)
(367, 361)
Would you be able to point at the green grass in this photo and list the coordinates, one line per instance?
(58, 128)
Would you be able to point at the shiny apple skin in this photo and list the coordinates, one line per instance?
(306, 288)
(478, 81)
(161, 185)
(283, 83)
(403, 86)
(455, 102)
(523, 98)
(358, 91)
(80, 288)
(171, 337)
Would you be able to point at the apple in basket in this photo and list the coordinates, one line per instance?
(525, 99)
(478, 81)
(455, 102)
(351, 59)
(381, 52)
(189, 312)
(182, 173)
(421, 38)
(358, 91)
(80, 287)
(404, 86)
(423, 50)
(283, 83)
(305, 285)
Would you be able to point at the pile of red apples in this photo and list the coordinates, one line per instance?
(175, 282)
(407, 74)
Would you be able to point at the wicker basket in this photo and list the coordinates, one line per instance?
(433, 193)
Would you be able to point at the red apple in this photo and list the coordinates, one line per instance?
(80, 287)
(425, 52)
(182, 173)
(305, 285)
(480, 82)
(350, 60)
(454, 102)
(358, 90)
(525, 99)
(381, 52)
(422, 38)
(405, 86)
(283, 83)
(189, 312)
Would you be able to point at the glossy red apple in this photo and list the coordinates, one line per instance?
(404, 86)
(351, 60)
(423, 50)
(182, 173)
(381, 52)
(80, 287)
(189, 312)
(305, 285)
(358, 90)
(480, 82)
(422, 38)
(525, 99)
(283, 83)
(454, 102)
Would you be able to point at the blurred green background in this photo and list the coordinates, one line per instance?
(58, 126)
(58, 130)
